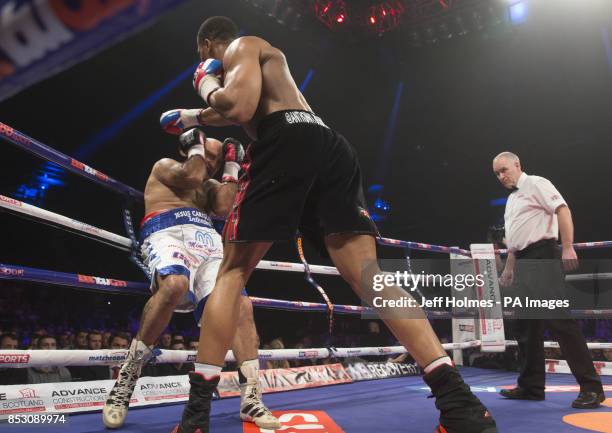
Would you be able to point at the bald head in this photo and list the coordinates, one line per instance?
(513, 157)
(507, 169)
(214, 156)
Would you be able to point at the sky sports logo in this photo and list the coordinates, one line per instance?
(7, 358)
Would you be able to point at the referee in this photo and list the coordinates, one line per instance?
(535, 214)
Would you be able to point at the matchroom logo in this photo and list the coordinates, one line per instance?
(303, 421)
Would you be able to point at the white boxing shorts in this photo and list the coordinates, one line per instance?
(182, 241)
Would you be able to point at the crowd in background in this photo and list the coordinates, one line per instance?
(39, 319)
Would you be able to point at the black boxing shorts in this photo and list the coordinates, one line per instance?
(300, 174)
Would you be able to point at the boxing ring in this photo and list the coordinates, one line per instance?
(392, 405)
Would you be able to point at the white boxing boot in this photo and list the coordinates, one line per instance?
(252, 408)
(118, 401)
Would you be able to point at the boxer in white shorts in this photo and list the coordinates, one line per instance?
(183, 252)
(182, 241)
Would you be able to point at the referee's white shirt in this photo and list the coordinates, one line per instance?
(530, 212)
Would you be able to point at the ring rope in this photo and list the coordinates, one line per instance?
(123, 243)
(308, 276)
(11, 272)
(29, 144)
(39, 358)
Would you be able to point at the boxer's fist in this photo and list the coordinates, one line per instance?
(207, 78)
(177, 120)
(192, 143)
(233, 154)
(232, 150)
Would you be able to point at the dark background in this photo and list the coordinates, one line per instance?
(542, 89)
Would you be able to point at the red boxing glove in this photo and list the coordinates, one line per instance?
(207, 78)
(233, 154)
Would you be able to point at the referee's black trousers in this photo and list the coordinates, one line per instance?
(538, 274)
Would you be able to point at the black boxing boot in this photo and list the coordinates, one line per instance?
(460, 410)
(196, 415)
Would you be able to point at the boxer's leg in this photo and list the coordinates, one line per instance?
(218, 328)
(245, 347)
(156, 316)
(460, 410)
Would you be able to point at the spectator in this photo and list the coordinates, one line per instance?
(276, 344)
(92, 372)
(373, 338)
(11, 376)
(118, 341)
(33, 342)
(178, 337)
(48, 374)
(8, 341)
(64, 340)
(94, 340)
(80, 342)
(174, 369)
(106, 335)
(193, 345)
(165, 340)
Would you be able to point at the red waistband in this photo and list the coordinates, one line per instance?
(150, 215)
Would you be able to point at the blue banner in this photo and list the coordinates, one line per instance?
(39, 38)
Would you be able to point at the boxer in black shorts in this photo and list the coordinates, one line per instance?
(303, 175)
(300, 175)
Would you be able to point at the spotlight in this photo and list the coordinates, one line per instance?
(518, 12)
(331, 12)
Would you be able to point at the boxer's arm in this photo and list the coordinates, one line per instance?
(187, 175)
(210, 117)
(219, 197)
(239, 97)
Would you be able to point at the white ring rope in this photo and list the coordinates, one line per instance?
(41, 358)
(124, 243)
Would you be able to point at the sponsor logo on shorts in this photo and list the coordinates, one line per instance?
(292, 117)
(11, 271)
(101, 281)
(6, 358)
(299, 421)
(183, 258)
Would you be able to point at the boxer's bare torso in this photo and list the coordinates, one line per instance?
(253, 56)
